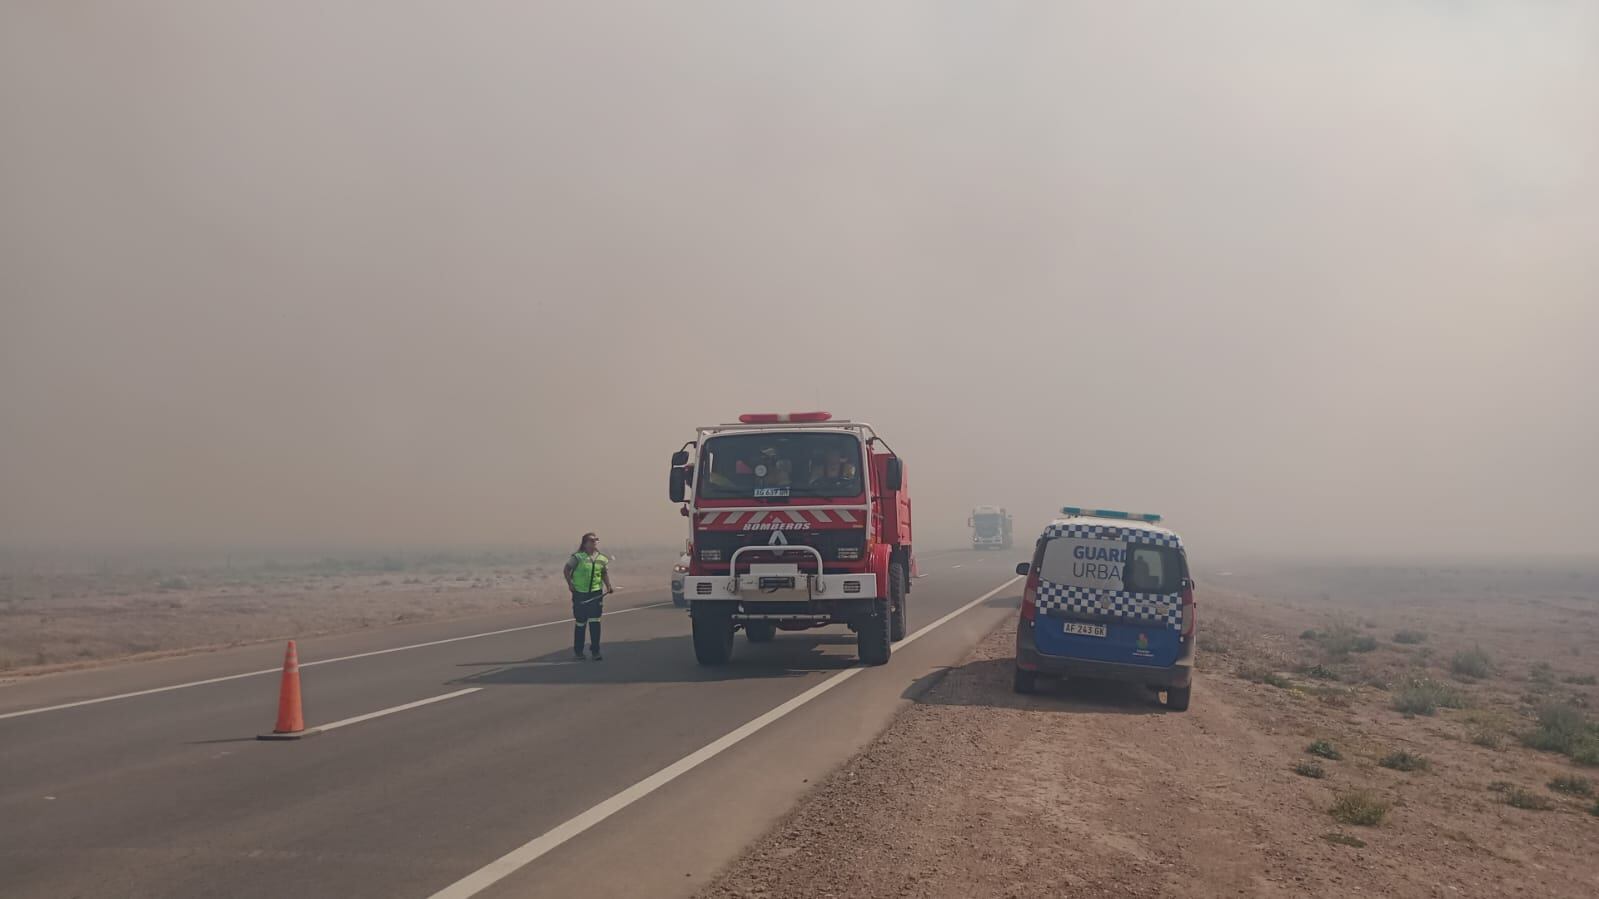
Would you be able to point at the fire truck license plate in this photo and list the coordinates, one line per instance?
(1086, 630)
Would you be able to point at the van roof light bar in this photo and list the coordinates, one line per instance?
(1079, 511)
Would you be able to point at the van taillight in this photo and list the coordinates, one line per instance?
(1190, 610)
(1030, 596)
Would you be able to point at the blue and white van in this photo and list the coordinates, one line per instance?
(1108, 596)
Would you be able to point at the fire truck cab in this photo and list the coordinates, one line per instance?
(797, 521)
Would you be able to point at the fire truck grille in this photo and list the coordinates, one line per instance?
(828, 543)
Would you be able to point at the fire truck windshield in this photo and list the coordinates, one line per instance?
(769, 466)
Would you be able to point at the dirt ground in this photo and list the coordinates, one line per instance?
(1094, 790)
(59, 616)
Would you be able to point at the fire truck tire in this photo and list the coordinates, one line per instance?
(871, 636)
(713, 635)
(760, 631)
(897, 597)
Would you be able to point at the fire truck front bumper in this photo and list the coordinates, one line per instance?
(780, 583)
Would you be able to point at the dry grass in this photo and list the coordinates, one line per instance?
(1310, 769)
(1324, 749)
(1337, 697)
(1522, 798)
(1563, 728)
(1423, 696)
(68, 618)
(1572, 785)
(1361, 808)
(1401, 760)
(1473, 663)
(1487, 738)
(1341, 639)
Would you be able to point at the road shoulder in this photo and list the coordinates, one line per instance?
(1095, 790)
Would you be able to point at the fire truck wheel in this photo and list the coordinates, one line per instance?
(713, 635)
(897, 597)
(760, 631)
(871, 637)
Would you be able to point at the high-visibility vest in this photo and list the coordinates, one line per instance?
(588, 575)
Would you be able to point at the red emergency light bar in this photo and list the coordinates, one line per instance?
(772, 418)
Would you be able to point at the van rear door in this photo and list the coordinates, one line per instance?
(1110, 600)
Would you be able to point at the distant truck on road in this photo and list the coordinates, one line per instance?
(798, 521)
(991, 528)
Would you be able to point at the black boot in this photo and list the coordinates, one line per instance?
(594, 639)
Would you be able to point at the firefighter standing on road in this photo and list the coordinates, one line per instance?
(589, 579)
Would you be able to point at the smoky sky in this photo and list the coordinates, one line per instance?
(1301, 276)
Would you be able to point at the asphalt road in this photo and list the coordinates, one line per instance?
(639, 775)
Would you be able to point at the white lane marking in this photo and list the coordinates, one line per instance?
(531, 851)
(198, 683)
(954, 566)
(279, 669)
(509, 630)
(399, 708)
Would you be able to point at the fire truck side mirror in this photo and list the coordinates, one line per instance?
(675, 486)
(680, 458)
(896, 474)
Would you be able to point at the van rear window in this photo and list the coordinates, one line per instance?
(1112, 565)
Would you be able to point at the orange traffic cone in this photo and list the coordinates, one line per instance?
(291, 716)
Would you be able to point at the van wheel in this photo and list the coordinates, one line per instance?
(713, 635)
(760, 631)
(1177, 698)
(871, 636)
(897, 597)
(1025, 681)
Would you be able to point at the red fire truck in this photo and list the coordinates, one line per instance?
(797, 521)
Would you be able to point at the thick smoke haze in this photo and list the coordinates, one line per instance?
(1305, 277)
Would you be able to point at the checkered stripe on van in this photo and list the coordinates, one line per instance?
(1154, 607)
(1097, 531)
